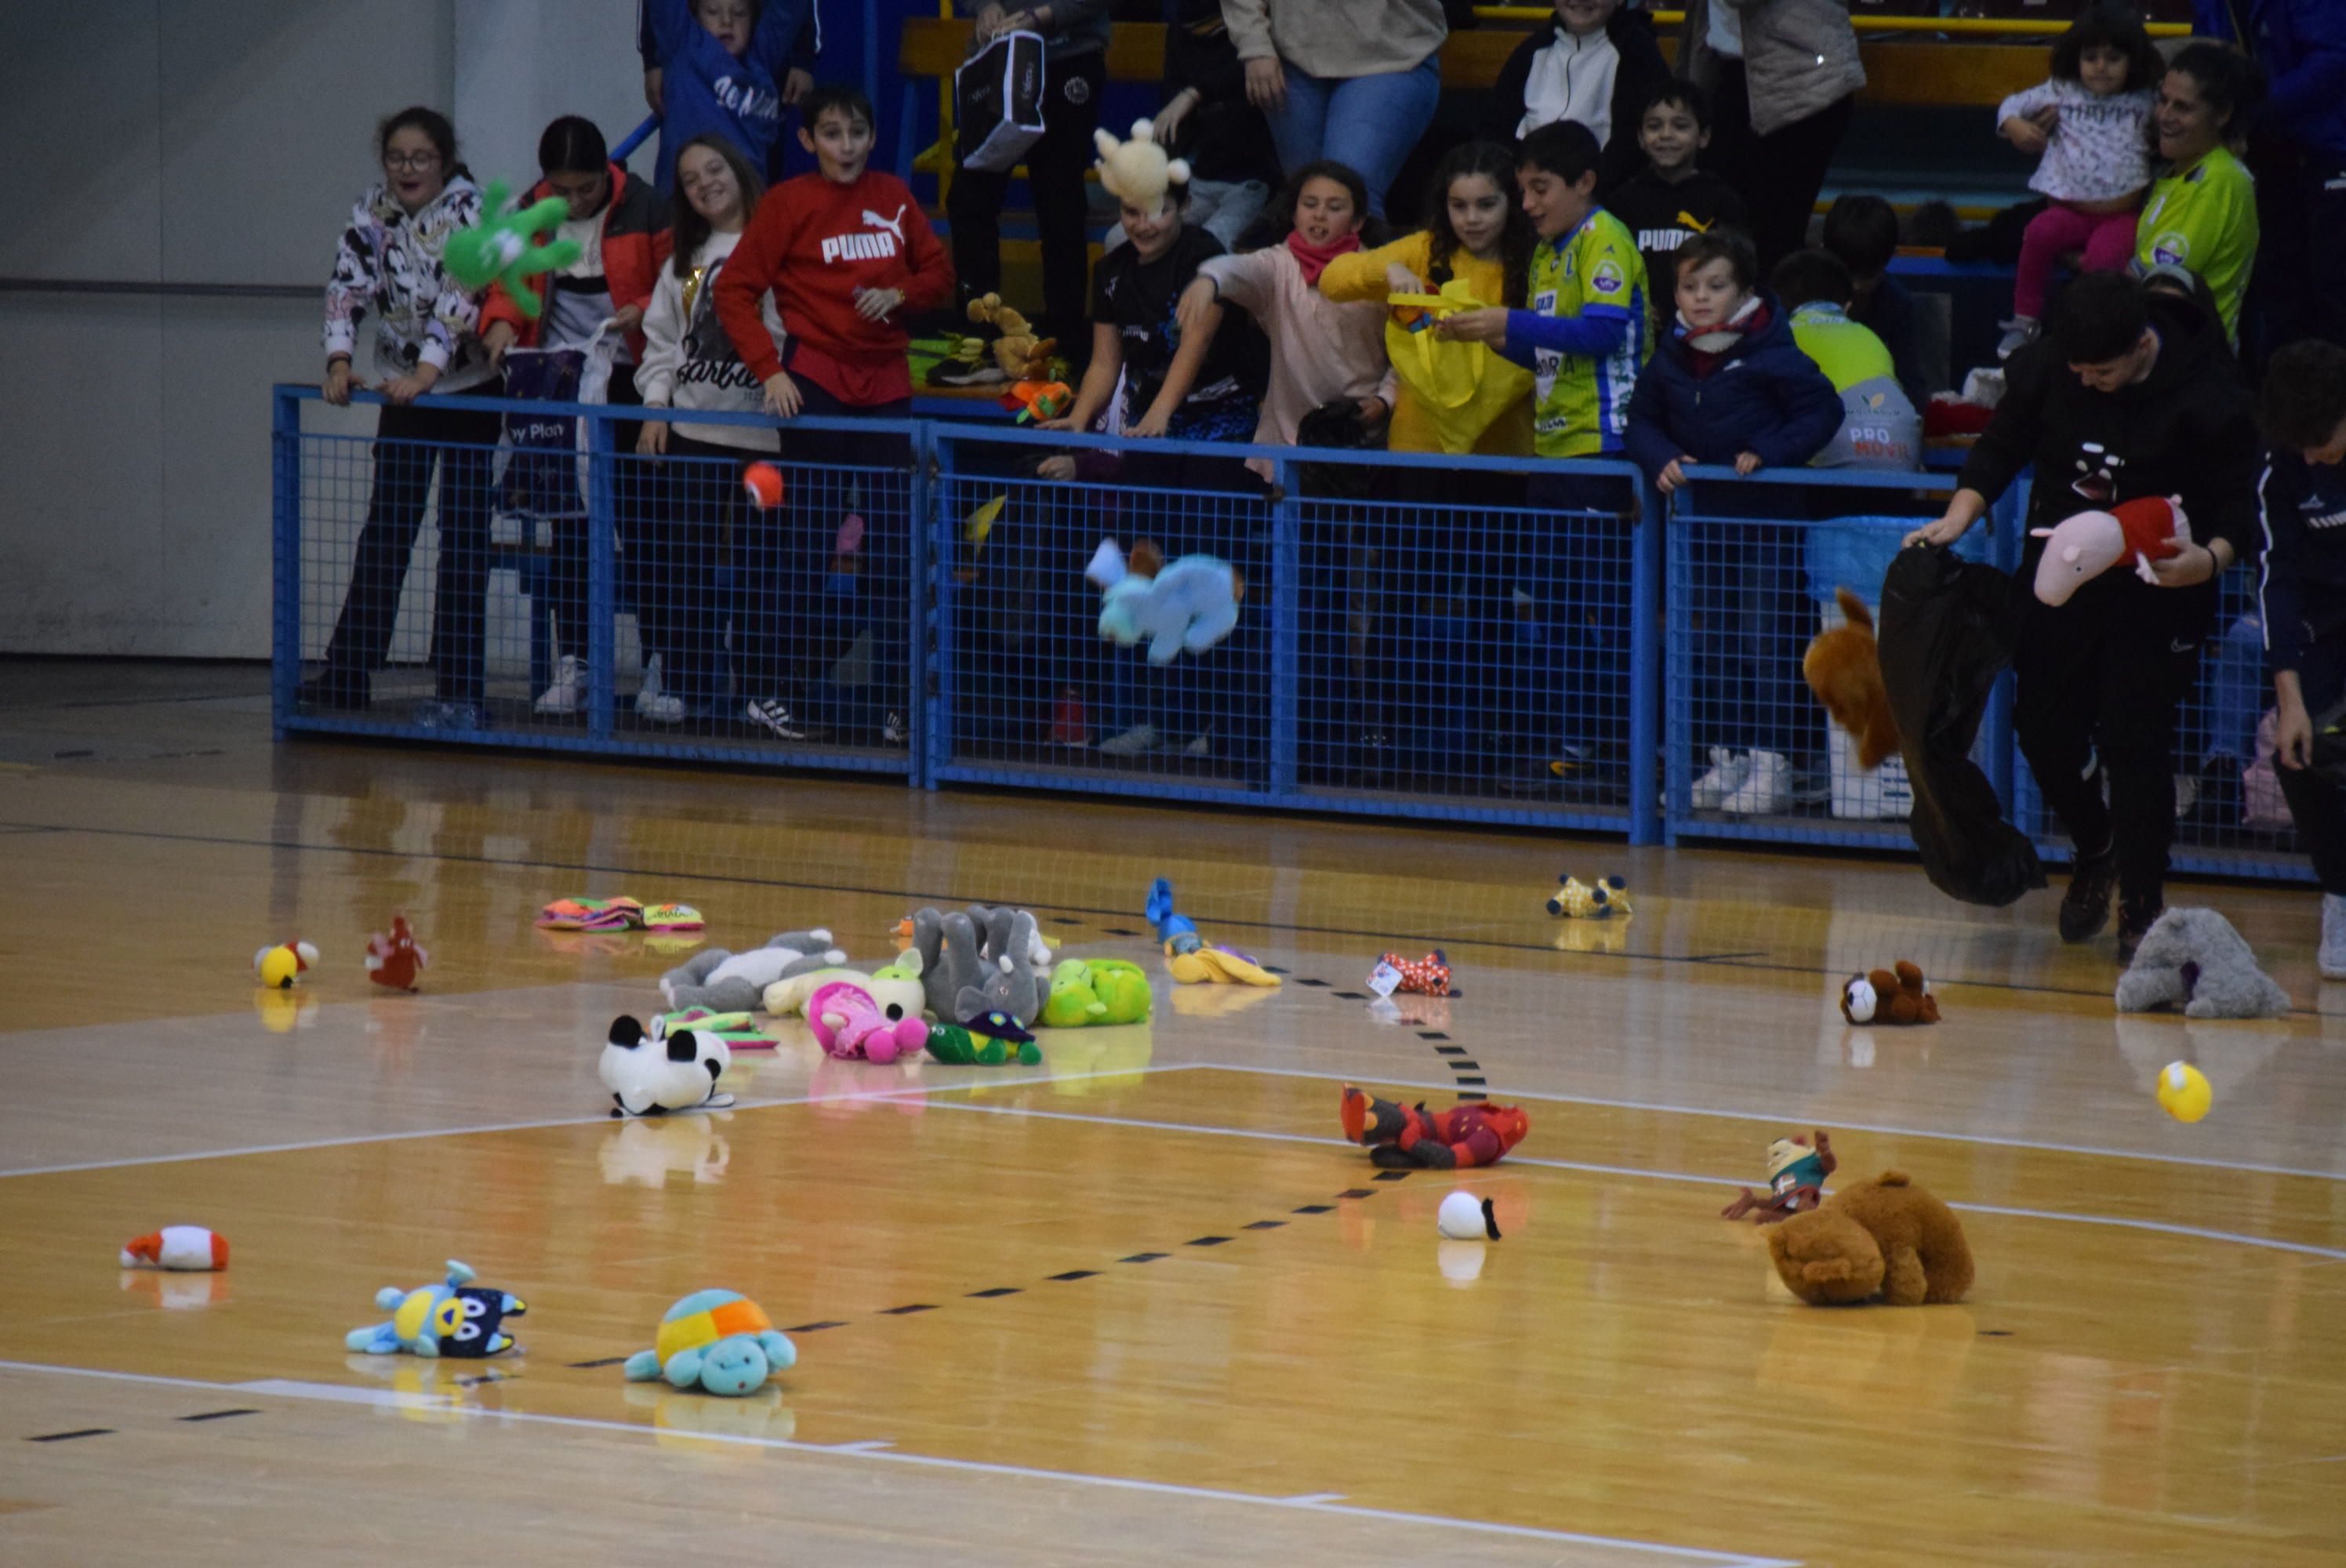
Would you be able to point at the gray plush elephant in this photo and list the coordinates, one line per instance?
(980, 960)
(2194, 960)
(726, 981)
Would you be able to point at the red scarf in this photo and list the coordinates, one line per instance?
(1708, 349)
(1314, 258)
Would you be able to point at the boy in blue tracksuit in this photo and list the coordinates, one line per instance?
(2302, 593)
(727, 67)
(1729, 385)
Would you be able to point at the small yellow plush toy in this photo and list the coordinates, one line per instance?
(1137, 171)
(1600, 899)
(1022, 356)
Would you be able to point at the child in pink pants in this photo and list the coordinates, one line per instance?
(2092, 123)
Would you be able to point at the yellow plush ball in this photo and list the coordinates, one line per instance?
(278, 967)
(2183, 1091)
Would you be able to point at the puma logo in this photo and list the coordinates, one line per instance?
(894, 225)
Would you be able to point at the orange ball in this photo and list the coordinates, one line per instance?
(763, 481)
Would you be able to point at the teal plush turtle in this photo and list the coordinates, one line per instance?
(719, 1342)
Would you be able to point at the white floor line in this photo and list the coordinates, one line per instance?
(336, 1393)
(994, 1082)
(1800, 1120)
(1642, 1172)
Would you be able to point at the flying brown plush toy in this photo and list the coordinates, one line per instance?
(1885, 1238)
(1889, 996)
(1844, 669)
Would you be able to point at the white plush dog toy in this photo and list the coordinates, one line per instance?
(1137, 171)
(651, 1074)
(1189, 604)
(2194, 960)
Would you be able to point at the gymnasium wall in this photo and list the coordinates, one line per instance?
(152, 143)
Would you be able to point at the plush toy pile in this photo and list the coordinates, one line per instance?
(979, 960)
(1190, 958)
(1898, 995)
(718, 1341)
(453, 1318)
(1401, 1138)
(1797, 1169)
(2194, 960)
(1603, 899)
(620, 913)
(1019, 354)
(1885, 1238)
(652, 1075)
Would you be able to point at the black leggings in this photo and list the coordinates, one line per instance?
(410, 441)
(1057, 166)
(692, 500)
(2316, 804)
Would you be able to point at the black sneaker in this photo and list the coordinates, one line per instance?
(2135, 917)
(2085, 907)
(774, 715)
(327, 691)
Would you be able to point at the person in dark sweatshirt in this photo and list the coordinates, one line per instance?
(1599, 64)
(2130, 394)
(1729, 385)
(2302, 590)
(1074, 74)
(726, 67)
(1673, 199)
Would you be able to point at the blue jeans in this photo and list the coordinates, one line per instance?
(1368, 122)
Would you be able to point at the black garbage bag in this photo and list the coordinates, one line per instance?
(1948, 629)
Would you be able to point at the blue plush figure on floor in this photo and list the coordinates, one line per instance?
(719, 1342)
(1186, 606)
(454, 1319)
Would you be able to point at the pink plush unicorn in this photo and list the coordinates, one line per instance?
(849, 1023)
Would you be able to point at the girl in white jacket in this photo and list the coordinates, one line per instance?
(689, 366)
(2091, 121)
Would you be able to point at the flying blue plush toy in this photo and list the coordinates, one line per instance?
(719, 1342)
(456, 1319)
(1187, 605)
(508, 249)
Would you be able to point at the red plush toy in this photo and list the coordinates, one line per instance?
(395, 961)
(1427, 976)
(1406, 1137)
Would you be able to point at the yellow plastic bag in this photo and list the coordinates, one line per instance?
(1464, 387)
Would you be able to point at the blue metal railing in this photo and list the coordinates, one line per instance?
(1418, 590)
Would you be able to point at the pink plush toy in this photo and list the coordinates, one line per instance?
(2080, 548)
(849, 1023)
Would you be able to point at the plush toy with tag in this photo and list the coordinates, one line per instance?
(1181, 607)
(1898, 995)
(1797, 1169)
(2080, 548)
(1427, 976)
(1137, 171)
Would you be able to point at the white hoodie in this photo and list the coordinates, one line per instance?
(388, 265)
(688, 362)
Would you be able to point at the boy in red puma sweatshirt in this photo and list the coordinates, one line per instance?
(847, 254)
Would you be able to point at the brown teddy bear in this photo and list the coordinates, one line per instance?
(1844, 669)
(1884, 1237)
(1022, 356)
(1889, 996)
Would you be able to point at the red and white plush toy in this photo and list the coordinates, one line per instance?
(2080, 548)
(395, 961)
(1427, 976)
(178, 1246)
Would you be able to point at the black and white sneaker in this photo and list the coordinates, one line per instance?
(894, 731)
(774, 715)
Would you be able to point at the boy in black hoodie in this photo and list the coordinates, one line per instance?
(1673, 197)
(2131, 394)
(2304, 598)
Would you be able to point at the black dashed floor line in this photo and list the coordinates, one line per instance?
(906, 1311)
(221, 1415)
(68, 1437)
(989, 1295)
(814, 1327)
(618, 1360)
(1077, 1274)
(1144, 1257)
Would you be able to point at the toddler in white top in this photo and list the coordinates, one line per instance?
(2091, 124)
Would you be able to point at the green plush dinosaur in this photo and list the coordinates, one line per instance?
(971, 1047)
(1096, 991)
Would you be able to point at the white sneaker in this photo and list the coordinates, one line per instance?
(650, 685)
(1729, 769)
(2333, 936)
(568, 692)
(1132, 742)
(659, 708)
(1767, 788)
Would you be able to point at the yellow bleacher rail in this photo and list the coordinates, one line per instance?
(1953, 27)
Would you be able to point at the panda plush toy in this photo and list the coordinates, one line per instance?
(649, 1075)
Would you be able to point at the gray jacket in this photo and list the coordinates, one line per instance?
(1800, 56)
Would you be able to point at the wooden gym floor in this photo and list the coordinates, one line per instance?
(1138, 1305)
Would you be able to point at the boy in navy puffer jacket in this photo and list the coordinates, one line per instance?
(1729, 385)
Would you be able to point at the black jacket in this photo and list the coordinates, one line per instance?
(1948, 629)
(1641, 70)
(2188, 429)
(2304, 584)
(1224, 137)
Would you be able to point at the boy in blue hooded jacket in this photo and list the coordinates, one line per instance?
(728, 67)
(1729, 385)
